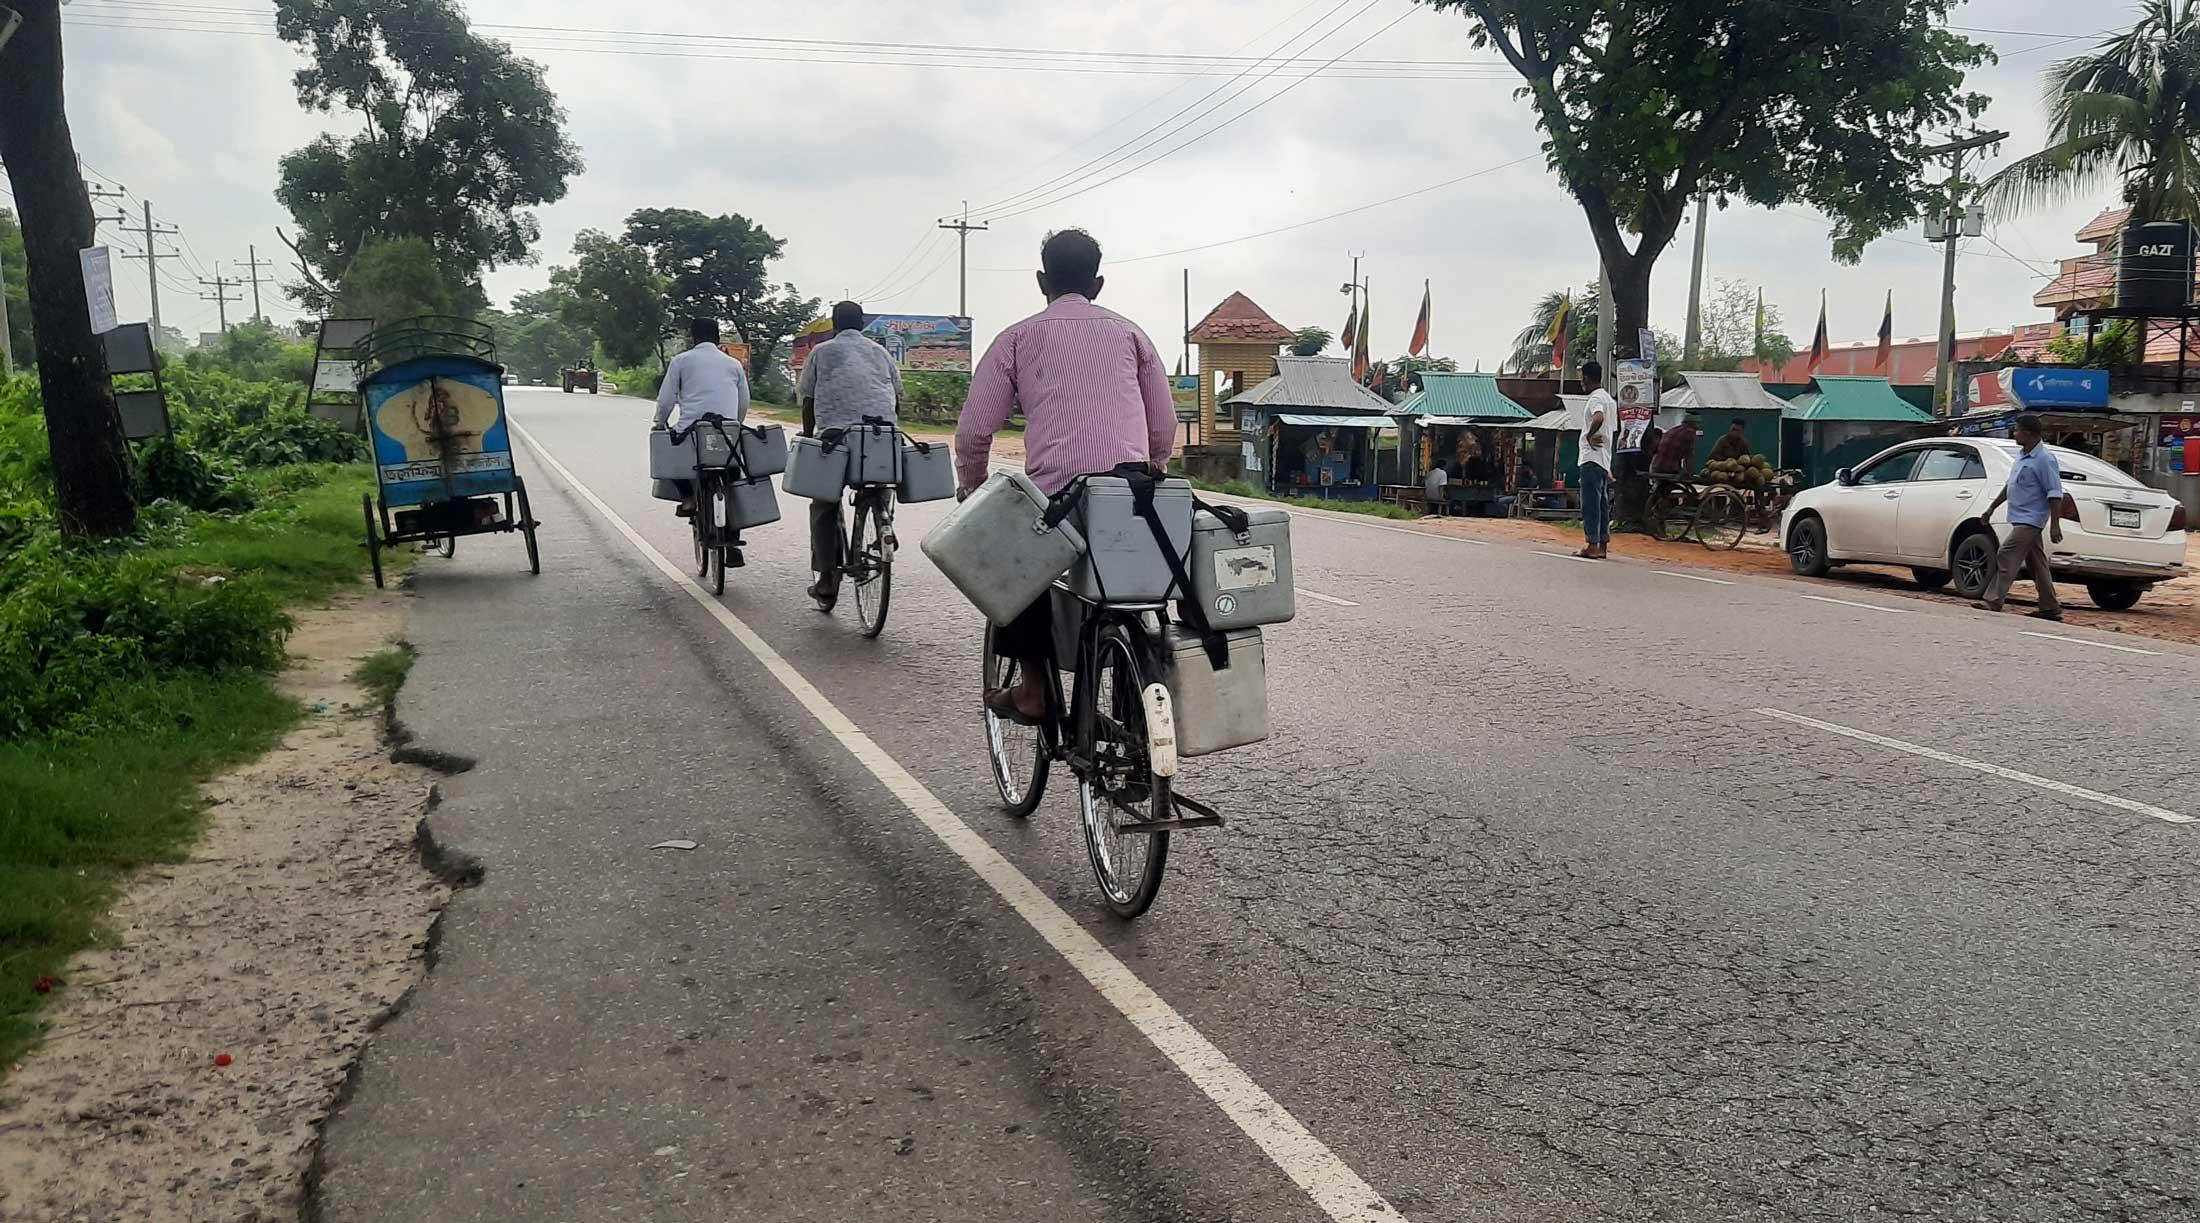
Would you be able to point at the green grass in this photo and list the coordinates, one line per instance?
(78, 813)
(1373, 509)
(383, 672)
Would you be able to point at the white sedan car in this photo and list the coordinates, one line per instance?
(1918, 505)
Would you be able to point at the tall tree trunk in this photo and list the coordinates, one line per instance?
(1630, 303)
(91, 459)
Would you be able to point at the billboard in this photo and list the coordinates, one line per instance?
(440, 435)
(921, 343)
(1636, 384)
(1185, 391)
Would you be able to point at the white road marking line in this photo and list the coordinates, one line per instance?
(1332, 600)
(1691, 577)
(2030, 779)
(1892, 611)
(1326, 1178)
(2098, 645)
(1567, 556)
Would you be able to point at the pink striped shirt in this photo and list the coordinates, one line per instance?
(1093, 391)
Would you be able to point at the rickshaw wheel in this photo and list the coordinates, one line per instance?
(374, 540)
(447, 546)
(526, 525)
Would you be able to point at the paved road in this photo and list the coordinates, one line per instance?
(1563, 891)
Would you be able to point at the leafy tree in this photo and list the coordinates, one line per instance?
(1310, 341)
(1396, 376)
(612, 293)
(1644, 105)
(1531, 350)
(714, 267)
(535, 339)
(2114, 346)
(91, 461)
(461, 138)
(256, 352)
(15, 280)
(394, 278)
(773, 320)
(2129, 110)
(1730, 330)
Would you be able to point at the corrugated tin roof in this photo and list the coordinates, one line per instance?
(1854, 399)
(1724, 392)
(1345, 421)
(1469, 395)
(1239, 318)
(1558, 419)
(1313, 382)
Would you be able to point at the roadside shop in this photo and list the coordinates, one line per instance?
(1843, 420)
(1455, 421)
(1312, 431)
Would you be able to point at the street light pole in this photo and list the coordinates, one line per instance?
(1950, 226)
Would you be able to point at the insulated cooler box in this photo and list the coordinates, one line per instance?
(874, 454)
(1243, 583)
(763, 450)
(927, 472)
(1122, 563)
(704, 447)
(1216, 710)
(997, 549)
(816, 469)
(753, 503)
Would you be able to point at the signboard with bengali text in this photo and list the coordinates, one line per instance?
(920, 343)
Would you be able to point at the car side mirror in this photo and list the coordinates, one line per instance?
(1846, 477)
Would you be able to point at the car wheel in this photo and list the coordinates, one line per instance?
(1929, 579)
(2115, 596)
(1807, 547)
(1973, 564)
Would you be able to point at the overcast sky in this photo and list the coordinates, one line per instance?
(852, 163)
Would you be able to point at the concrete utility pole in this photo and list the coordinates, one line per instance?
(962, 229)
(1950, 227)
(253, 264)
(1607, 318)
(152, 257)
(98, 193)
(1692, 346)
(220, 296)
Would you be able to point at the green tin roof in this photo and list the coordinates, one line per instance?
(1464, 395)
(1848, 397)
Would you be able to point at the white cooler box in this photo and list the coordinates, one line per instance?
(814, 471)
(704, 447)
(927, 472)
(997, 549)
(874, 454)
(1122, 562)
(751, 503)
(1243, 583)
(763, 450)
(1216, 710)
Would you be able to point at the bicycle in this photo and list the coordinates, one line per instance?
(868, 556)
(717, 541)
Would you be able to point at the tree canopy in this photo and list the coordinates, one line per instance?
(1645, 103)
(394, 278)
(460, 139)
(2126, 113)
(613, 294)
(1310, 341)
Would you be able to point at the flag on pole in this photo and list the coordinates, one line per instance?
(1351, 331)
(1819, 347)
(1759, 350)
(1886, 333)
(1420, 326)
(1359, 348)
(1560, 336)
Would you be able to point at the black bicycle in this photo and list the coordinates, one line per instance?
(867, 560)
(717, 540)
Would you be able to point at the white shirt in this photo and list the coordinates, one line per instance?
(851, 376)
(1600, 400)
(703, 381)
(1437, 479)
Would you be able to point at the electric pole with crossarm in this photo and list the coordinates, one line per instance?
(220, 296)
(253, 264)
(963, 229)
(152, 257)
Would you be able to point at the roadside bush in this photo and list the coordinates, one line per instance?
(167, 470)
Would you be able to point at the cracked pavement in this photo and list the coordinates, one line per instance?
(1523, 910)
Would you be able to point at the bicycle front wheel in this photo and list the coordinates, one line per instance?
(1018, 752)
(873, 556)
(1116, 785)
(1722, 519)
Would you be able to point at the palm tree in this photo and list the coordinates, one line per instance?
(2128, 110)
(1531, 351)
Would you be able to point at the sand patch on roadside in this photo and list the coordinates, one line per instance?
(298, 922)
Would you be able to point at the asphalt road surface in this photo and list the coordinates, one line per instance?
(1563, 891)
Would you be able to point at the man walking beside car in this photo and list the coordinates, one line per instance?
(2034, 494)
(845, 381)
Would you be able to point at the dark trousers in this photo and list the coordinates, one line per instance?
(1030, 636)
(828, 544)
(2024, 547)
(1596, 504)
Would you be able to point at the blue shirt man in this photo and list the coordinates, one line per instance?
(2035, 495)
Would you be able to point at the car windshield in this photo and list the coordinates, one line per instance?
(2076, 465)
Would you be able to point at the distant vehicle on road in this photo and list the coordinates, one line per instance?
(577, 377)
(511, 379)
(1917, 505)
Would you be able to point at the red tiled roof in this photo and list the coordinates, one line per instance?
(2031, 340)
(1238, 318)
(2107, 225)
(1909, 362)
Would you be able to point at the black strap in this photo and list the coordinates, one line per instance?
(1143, 486)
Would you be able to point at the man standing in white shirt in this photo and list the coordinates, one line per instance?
(1596, 463)
(845, 381)
(702, 382)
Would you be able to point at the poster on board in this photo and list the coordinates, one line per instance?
(1635, 385)
(99, 288)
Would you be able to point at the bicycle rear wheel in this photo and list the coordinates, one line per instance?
(1722, 519)
(1670, 514)
(872, 561)
(1019, 753)
(1117, 785)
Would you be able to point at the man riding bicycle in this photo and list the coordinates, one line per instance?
(846, 381)
(701, 383)
(1094, 395)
